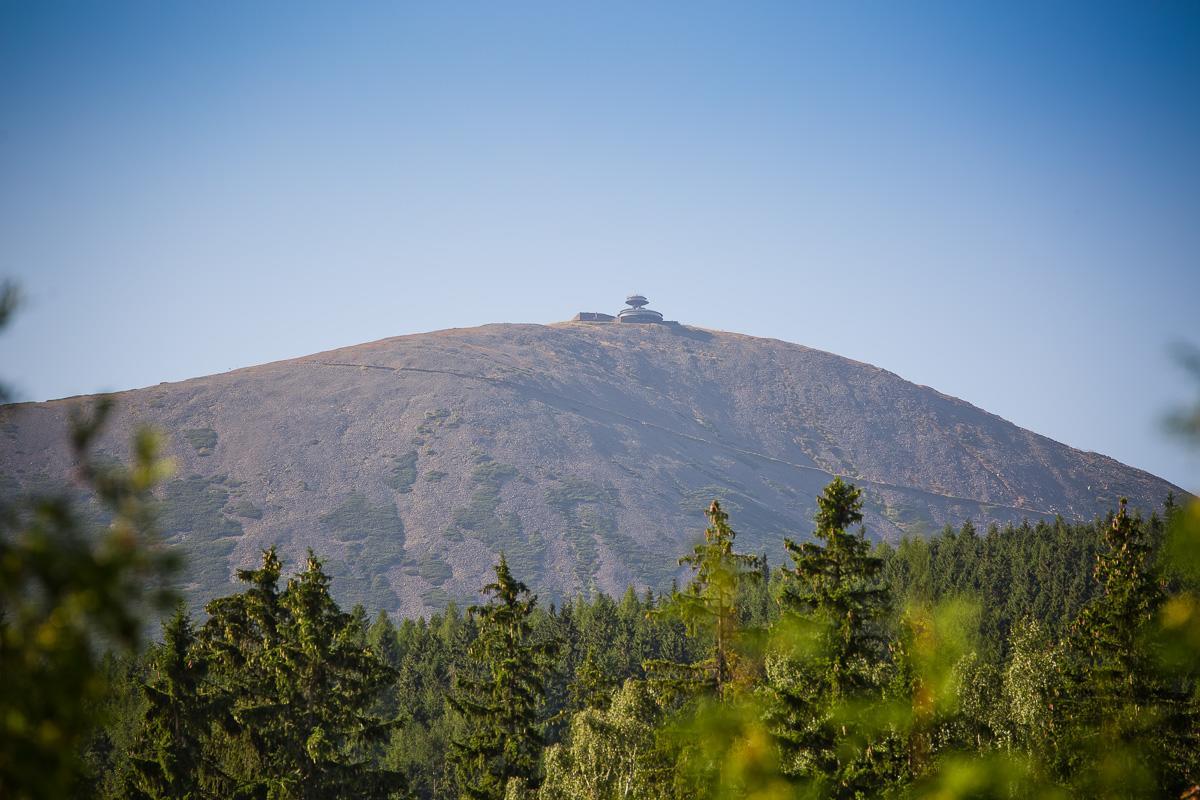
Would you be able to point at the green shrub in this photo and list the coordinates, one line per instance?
(374, 537)
(434, 569)
(193, 518)
(245, 509)
(202, 440)
(404, 472)
(481, 518)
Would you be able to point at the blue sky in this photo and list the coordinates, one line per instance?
(1001, 201)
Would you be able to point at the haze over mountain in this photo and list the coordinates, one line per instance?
(585, 451)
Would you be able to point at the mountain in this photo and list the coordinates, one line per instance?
(586, 451)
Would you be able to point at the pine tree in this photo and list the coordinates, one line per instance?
(502, 701)
(709, 607)
(169, 762)
(833, 590)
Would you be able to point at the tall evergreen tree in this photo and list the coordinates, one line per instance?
(592, 685)
(1131, 722)
(502, 700)
(242, 643)
(1112, 626)
(709, 607)
(832, 590)
(169, 762)
(301, 683)
(336, 681)
(382, 639)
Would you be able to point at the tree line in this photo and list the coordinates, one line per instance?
(1047, 659)
(1029, 660)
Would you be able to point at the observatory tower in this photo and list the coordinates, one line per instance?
(637, 311)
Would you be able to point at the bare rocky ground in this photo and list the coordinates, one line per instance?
(586, 452)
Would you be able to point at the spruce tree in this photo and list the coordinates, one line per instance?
(169, 760)
(709, 607)
(592, 685)
(382, 638)
(241, 642)
(300, 682)
(1131, 723)
(501, 700)
(832, 593)
(1112, 627)
(335, 682)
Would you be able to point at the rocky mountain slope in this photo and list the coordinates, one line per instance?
(585, 451)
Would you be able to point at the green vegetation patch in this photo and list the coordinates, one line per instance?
(523, 550)
(908, 516)
(373, 535)
(373, 593)
(481, 519)
(571, 492)
(245, 509)
(202, 440)
(480, 513)
(588, 511)
(404, 472)
(357, 518)
(193, 517)
(434, 569)
(195, 505)
(436, 597)
(443, 418)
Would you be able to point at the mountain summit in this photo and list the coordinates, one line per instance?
(586, 451)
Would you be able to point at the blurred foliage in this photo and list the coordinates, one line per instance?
(68, 594)
(1186, 422)
(10, 300)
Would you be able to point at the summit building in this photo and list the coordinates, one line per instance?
(636, 312)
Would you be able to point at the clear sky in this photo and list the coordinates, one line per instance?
(999, 200)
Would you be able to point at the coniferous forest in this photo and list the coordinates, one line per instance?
(1048, 659)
